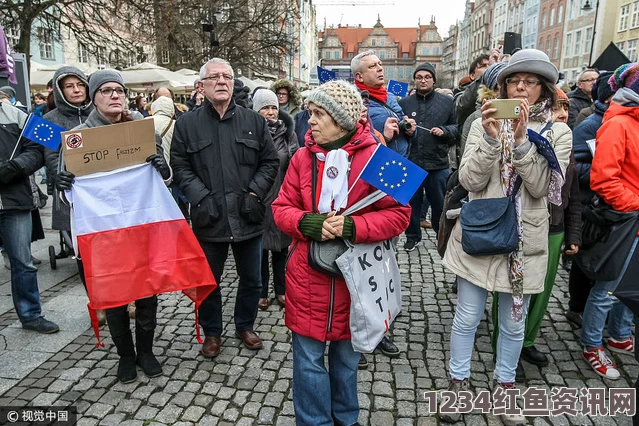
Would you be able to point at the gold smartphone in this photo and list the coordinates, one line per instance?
(506, 108)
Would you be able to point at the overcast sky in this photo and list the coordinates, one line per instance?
(393, 13)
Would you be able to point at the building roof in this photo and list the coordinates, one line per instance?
(406, 39)
(351, 37)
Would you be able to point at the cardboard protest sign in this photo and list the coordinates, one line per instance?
(106, 148)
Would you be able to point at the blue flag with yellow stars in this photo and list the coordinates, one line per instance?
(398, 88)
(44, 132)
(393, 174)
(324, 75)
(546, 150)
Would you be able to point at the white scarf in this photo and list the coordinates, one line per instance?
(334, 194)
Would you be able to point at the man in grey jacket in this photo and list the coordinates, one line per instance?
(19, 158)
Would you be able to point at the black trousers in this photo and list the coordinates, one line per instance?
(278, 260)
(579, 286)
(145, 317)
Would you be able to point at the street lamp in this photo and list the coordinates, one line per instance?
(587, 7)
(211, 28)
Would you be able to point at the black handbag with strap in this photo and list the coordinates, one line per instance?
(322, 254)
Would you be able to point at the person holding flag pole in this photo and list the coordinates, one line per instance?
(19, 158)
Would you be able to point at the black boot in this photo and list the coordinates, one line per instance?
(118, 322)
(146, 360)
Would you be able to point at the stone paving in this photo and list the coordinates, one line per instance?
(243, 387)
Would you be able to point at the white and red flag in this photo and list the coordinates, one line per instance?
(134, 241)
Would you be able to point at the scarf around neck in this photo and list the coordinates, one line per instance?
(333, 171)
(379, 94)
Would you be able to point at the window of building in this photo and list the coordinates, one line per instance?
(101, 56)
(400, 73)
(552, 18)
(555, 49)
(435, 51)
(45, 37)
(560, 13)
(623, 18)
(327, 55)
(632, 50)
(571, 9)
(83, 53)
(425, 51)
(165, 57)
(13, 36)
(634, 23)
(373, 42)
(382, 54)
(620, 45)
(577, 43)
(568, 45)
(350, 55)
(390, 72)
(382, 42)
(405, 55)
(588, 41)
(543, 20)
(336, 54)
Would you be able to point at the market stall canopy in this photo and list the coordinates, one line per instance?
(188, 72)
(40, 75)
(147, 77)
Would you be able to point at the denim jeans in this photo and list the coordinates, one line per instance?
(471, 305)
(435, 186)
(15, 229)
(322, 397)
(248, 261)
(278, 260)
(600, 303)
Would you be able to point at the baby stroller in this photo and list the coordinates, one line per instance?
(66, 249)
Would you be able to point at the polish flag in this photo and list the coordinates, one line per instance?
(134, 241)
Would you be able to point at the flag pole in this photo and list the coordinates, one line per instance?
(26, 123)
(363, 168)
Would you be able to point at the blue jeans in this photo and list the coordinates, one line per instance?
(471, 305)
(248, 261)
(322, 397)
(435, 187)
(599, 304)
(15, 229)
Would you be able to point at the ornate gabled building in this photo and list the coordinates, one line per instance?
(400, 49)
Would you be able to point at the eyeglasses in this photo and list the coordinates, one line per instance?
(74, 85)
(426, 78)
(108, 91)
(216, 77)
(529, 83)
(282, 94)
(588, 80)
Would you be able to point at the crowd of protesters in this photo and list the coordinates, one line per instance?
(250, 172)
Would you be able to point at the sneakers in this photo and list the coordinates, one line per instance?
(600, 362)
(455, 386)
(41, 325)
(510, 419)
(363, 362)
(623, 346)
(410, 245)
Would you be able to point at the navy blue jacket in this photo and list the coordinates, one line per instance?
(584, 131)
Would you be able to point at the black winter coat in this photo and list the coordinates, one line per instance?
(585, 131)
(217, 161)
(29, 157)
(428, 151)
(578, 101)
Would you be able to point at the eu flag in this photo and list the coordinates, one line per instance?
(546, 150)
(393, 174)
(44, 132)
(398, 88)
(324, 75)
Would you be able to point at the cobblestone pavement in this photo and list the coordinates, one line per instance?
(245, 388)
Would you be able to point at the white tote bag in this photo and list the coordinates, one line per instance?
(372, 276)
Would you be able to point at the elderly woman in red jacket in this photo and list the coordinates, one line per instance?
(318, 305)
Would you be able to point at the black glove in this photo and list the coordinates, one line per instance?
(160, 165)
(9, 170)
(64, 180)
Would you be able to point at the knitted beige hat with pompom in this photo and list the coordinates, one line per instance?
(341, 100)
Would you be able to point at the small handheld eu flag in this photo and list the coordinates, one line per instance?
(324, 75)
(546, 150)
(393, 174)
(398, 88)
(43, 132)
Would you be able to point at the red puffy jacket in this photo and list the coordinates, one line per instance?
(317, 305)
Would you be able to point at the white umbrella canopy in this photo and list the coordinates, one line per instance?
(188, 72)
(145, 66)
(150, 78)
(40, 75)
(248, 82)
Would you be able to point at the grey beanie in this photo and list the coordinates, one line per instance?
(532, 61)
(426, 66)
(341, 100)
(10, 91)
(98, 78)
(264, 97)
(489, 77)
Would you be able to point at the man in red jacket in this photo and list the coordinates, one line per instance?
(615, 177)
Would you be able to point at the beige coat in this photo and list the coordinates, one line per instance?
(479, 174)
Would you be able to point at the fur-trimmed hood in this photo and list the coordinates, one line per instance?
(294, 96)
(485, 93)
(288, 122)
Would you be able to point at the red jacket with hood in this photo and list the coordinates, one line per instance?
(615, 167)
(317, 305)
